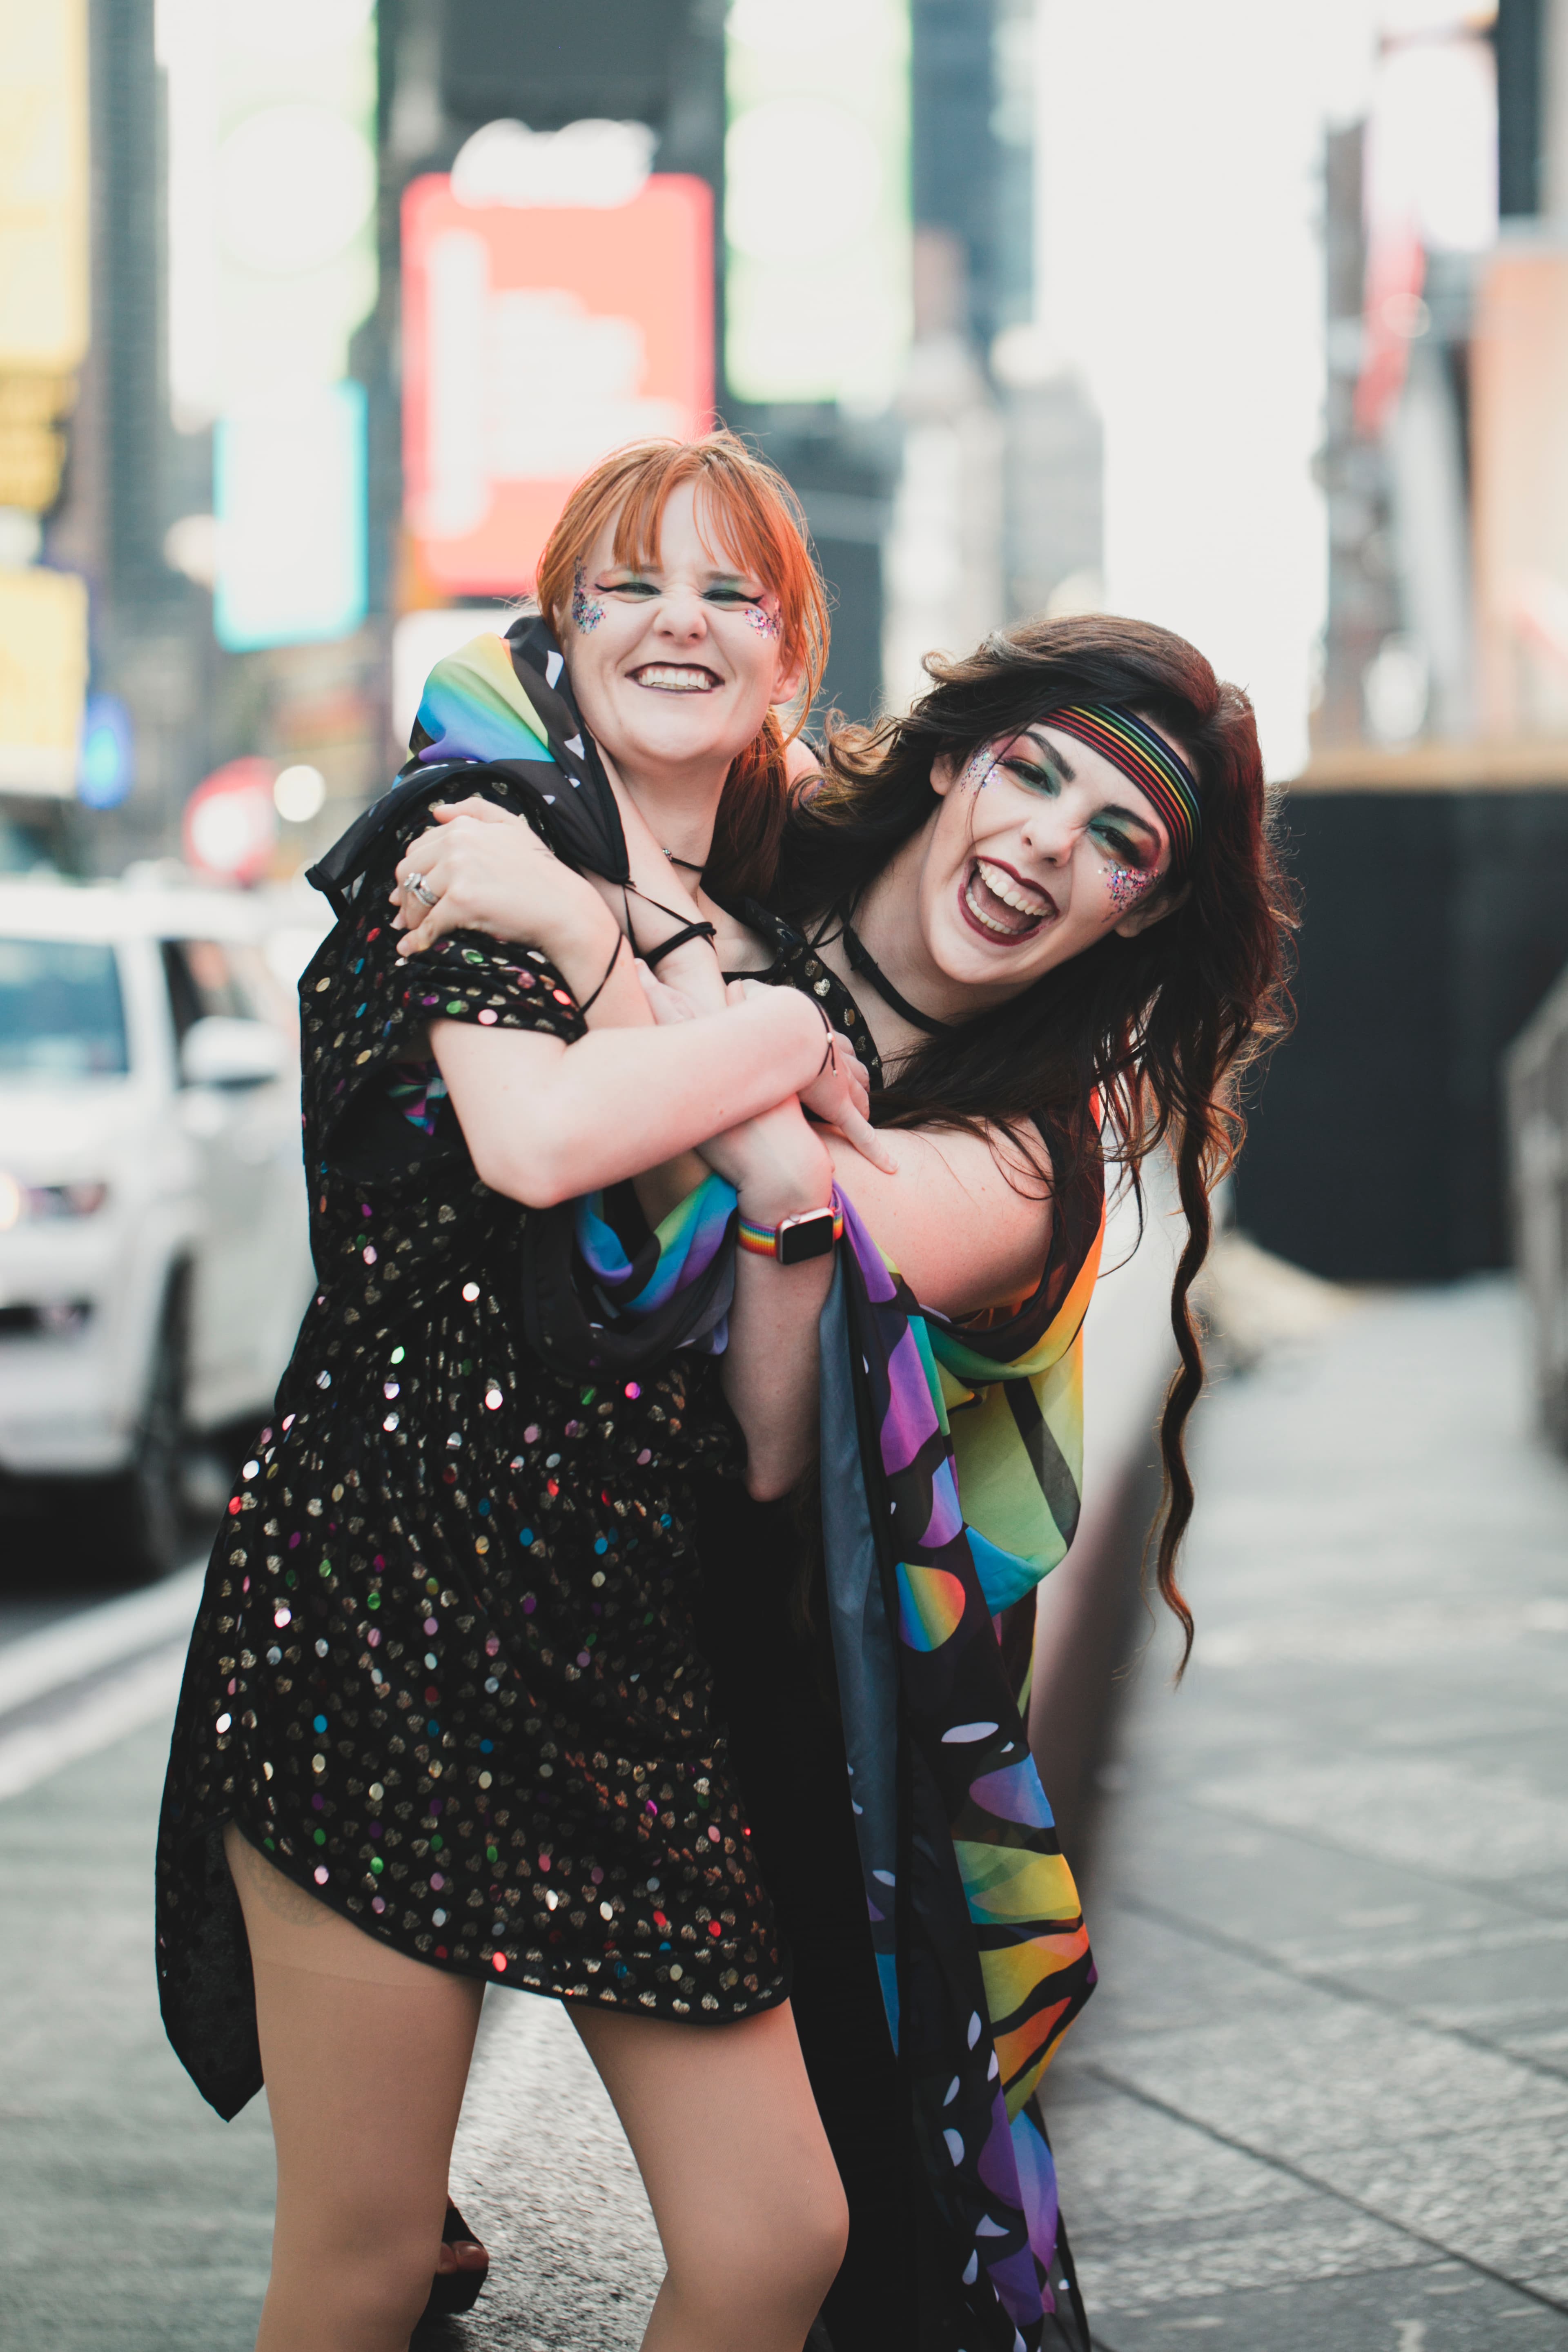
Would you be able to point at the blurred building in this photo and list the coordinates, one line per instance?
(346, 294)
(1252, 321)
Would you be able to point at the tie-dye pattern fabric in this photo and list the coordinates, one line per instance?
(974, 1919)
(679, 1251)
(474, 707)
(979, 1934)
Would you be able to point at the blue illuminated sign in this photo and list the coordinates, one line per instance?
(290, 501)
(106, 768)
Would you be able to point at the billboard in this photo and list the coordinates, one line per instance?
(272, 265)
(43, 679)
(536, 338)
(818, 285)
(1519, 398)
(44, 188)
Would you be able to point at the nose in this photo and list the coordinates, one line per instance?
(682, 615)
(1050, 833)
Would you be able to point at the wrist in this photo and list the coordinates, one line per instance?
(782, 1174)
(581, 943)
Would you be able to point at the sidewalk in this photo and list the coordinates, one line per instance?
(1319, 2102)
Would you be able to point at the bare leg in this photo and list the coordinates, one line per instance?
(365, 2055)
(727, 2138)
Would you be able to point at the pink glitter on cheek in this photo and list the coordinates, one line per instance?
(765, 619)
(586, 615)
(982, 767)
(1126, 886)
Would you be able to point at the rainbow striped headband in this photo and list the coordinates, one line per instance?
(1148, 761)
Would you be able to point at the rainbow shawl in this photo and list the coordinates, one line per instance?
(498, 717)
(950, 1466)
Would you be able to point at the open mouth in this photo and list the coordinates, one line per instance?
(676, 678)
(1000, 905)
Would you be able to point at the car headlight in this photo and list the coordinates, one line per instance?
(19, 1202)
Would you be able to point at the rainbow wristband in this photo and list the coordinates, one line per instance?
(810, 1233)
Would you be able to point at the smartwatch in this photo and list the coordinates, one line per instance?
(810, 1233)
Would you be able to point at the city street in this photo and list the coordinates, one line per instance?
(1319, 2102)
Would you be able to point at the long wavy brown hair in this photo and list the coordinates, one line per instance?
(752, 512)
(1163, 1025)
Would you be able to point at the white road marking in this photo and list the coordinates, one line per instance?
(106, 1710)
(84, 1643)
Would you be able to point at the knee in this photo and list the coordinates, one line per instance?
(777, 2265)
(814, 2246)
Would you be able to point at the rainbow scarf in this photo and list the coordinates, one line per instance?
(474, 707)
(951, 1466)
(975, 1921)
(676, 1256)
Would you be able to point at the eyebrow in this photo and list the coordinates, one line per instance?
(1055, 759)
(1051, 756)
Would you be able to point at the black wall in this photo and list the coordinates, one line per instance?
(1434, 923)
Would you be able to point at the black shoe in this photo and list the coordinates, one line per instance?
(453, 2291)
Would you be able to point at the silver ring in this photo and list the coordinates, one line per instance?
(416, 883)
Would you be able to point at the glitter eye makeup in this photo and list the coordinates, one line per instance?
(764, 617)
(982, 767)
(586, 615)
(1126, 885)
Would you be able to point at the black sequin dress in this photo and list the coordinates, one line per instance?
(445, 1675)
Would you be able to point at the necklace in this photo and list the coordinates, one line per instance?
(860, 963)
(684, 861)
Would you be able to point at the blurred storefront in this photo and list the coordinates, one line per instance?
(1430, 824)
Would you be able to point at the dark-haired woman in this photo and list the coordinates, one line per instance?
(1049, 888)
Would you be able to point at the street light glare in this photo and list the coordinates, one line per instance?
(299, 793)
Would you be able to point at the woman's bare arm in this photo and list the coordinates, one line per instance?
(545, 1121)
(965, 1233)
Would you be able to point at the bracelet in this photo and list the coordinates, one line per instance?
(588, 1003)
(810, 1233)
(654, 957)
(827, 1050)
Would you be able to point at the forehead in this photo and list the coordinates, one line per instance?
(691, 526)
(1093, 772)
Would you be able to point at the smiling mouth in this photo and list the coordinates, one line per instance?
(1001, 907)
(676, 678)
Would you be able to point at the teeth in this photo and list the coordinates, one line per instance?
(673, 679)
(1002, 886)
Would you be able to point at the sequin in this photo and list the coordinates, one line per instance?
(570, 1717)
(1125, 885)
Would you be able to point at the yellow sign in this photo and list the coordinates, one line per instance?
(43, 680)
(43, 186)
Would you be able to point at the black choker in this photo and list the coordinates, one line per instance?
(861, 963)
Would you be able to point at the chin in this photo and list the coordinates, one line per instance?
(675, 727)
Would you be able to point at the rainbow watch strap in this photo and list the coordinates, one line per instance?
(762, 1240)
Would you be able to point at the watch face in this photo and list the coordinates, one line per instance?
(808, 1235)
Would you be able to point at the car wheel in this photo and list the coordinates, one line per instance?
(141, 1514)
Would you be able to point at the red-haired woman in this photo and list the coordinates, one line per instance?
(1049, 887)
(445, 1720)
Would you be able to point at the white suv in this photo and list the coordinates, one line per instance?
(153, 1255)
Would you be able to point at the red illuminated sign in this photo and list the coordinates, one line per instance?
(536, 339)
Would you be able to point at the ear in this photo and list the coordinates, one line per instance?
(788, 678)
(943, 776)
(1152, 910)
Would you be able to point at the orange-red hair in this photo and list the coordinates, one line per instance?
(748, 506)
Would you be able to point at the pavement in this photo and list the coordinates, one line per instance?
(1320, 2103)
